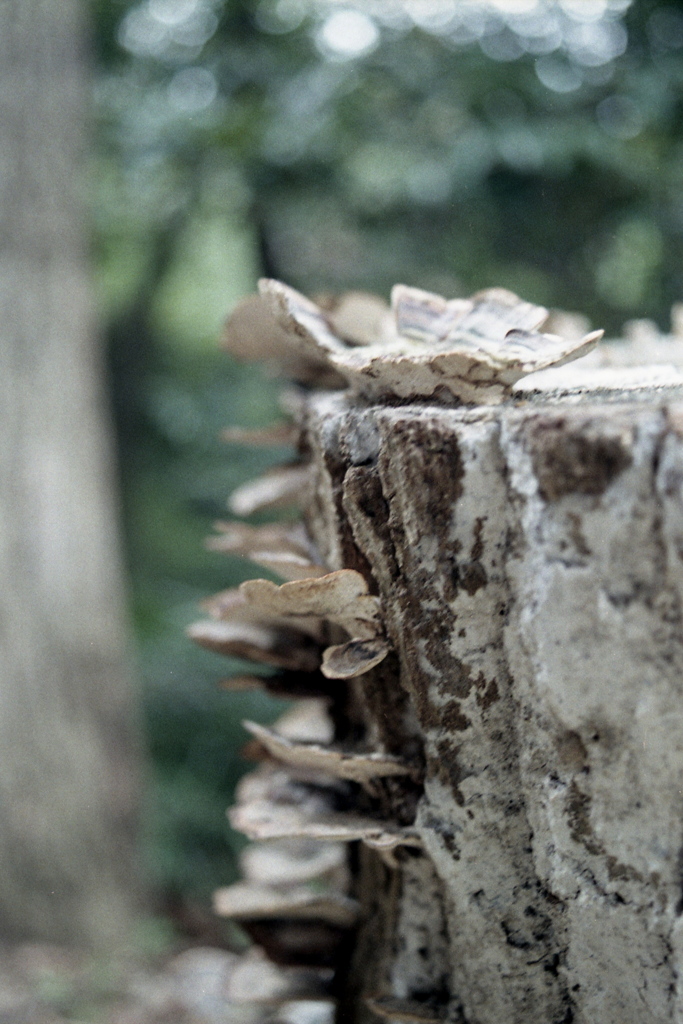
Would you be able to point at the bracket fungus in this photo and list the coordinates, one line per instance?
(363, 768)
(268, 645)
(269, 821)
(340, 597)
(360, 318)
(283, 433)
(288, 862)
(303, 1012)
(246, 901)
(355, 658)
(291, 568)
(274, 804)
(404, 1011)
(286, 685)
(283, 549)
(243, 539)
(256, 979)
(232, 606)
(253, 333)
(307, 721)
(279, 488)
(465, 351)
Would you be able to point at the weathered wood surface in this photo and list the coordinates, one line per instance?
(529, 562)
(525, 559)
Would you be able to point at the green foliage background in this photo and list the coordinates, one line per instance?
(241, 144)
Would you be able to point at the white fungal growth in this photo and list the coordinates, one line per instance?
(274, 804)
(262, 437)
(346, 661)
(341, 597)
(246, 901)
(281, 548)
(467, 351)
(268, 645)
(289, 862)
(355, 767)
(257, 980)
(280, 487)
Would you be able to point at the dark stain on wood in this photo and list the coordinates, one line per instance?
(472, 576)
(434, 471)
(457, 680)
(616, 871)
(387, 705)
(571, 752)
(447, 768)
(352, 557)
(576, 534)
(581, 831)
(452, 718)
(478, 543)
(578, 815)
(362, 490)
(487, 695)
(577, 456)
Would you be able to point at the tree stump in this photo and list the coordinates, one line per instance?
(527, 561)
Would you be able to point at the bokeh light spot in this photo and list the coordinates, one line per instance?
(558, 74)
(347, 34)
(619, 117)
(192, 90)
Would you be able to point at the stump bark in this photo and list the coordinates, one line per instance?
(528, 560)
(529, 563)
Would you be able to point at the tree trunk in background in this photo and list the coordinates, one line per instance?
(66, 739)
(528, 559)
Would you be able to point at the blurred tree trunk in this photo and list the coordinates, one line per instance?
(66, 741)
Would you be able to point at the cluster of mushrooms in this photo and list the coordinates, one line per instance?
(321, 629)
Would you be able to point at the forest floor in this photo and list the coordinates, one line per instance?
(42, 984)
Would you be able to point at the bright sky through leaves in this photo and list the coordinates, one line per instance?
(566, 37)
